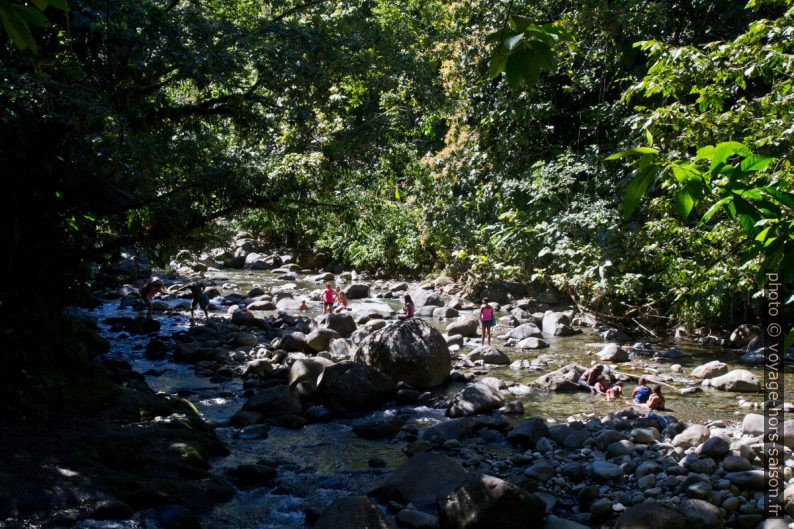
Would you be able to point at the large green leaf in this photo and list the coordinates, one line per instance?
(638, 186)
(754, 162)
(725, 150)
(787, 199)
(715, 208)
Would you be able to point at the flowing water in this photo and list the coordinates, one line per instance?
(324, 461)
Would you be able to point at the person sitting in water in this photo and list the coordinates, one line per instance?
(408, 309)
(341, 299)
(601, 386)
(656, 400)
(616, 391)
(641, 393)
(148, 291)
(304, 307)
(590, 377)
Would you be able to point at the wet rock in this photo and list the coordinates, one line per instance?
(701, 514)
(319, 339)
(352, 511)
(645, 435)
(650, 516)
(556, 324)
(612, 352)
(307, 370)
(274, 402)
(753, 424)
(603, 470)
(378, 428)
(541, 471)
(710, 370)
(424, 298)
(523, 331)
(748, 479)
(417, 519)
(357, 291)
(259, 368)
(455, 429)
(486, 502)
(577, 438)
(177, 517)
(245, 339)
(475, 399)
(553, 522)
(292, 342)
(563, 379)
(692, 436)
(532, 343)
(489, 355)
(715, 447)
(739, 380)
(420, 480)
(341, 323)
(465, 326)
(443, 313)
(733, 463)
(742, 335)
(354, 386)
(110, 510)
(250, 475)
(411, 351)
(527, 433)
(254, 431)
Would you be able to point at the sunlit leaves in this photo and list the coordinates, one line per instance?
(17, 18)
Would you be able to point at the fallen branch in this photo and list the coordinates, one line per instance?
(649, 379)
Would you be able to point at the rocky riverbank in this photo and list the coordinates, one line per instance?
(489, 463)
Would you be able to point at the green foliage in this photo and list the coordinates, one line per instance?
(523, 49)
(18, 17)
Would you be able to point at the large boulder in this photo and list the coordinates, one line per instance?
(525, 330)
(532, 343)
(650, 516)
(527, 433)
(711, 369)
(612, 352)
(702, 515)
(753, 424)
(352, 511)
(739, 380)
(466, 326)
(564, 379)
(556, 324)
(487, 502)
(307, 370)
(692, 436)
(319, 339)
(489, 355)
(275, 401)
(420, 480)
(357, 291)
(474, 399)
(344, 324)
(412, 351)
(423, 298)
(354, 386)
(742, 335)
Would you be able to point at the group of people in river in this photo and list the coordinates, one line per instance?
(594, 380)
(335, 301)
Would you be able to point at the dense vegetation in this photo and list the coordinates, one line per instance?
(383, 134)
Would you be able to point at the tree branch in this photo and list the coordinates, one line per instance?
(293, 10)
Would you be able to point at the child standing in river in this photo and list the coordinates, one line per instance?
(328, 299)
(486, 320)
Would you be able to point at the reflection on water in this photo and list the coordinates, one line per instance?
(324, 461)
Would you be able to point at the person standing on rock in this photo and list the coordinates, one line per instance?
(148, 291)
(486, 320)
(342, 299)
(328, 299)
(408, 309)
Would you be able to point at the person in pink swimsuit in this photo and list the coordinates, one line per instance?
(328, 299)
(486, 320)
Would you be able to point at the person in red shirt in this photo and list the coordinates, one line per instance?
(148, 291)
(328, 299)
(486, 320)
